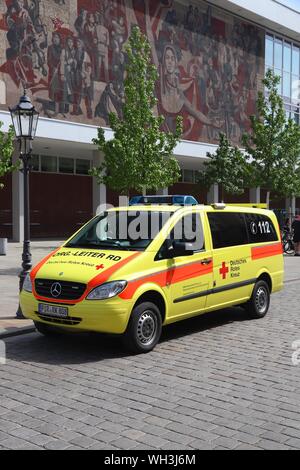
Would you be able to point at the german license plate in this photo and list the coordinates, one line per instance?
(53, 310)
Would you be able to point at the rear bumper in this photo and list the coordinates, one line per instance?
(102, 316)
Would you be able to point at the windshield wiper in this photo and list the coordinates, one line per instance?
(114, 243)
(83, 245)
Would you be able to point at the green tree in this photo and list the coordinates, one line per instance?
(139, 157)
(6, 151)
(274, 143)
(227, 167)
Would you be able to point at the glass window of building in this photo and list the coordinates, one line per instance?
(283, 57)
(82, 166)
(278, 54)
(295, 60)
(269, 50)
(49, 164)
(35, 162)
(66, 165)
(188, 176)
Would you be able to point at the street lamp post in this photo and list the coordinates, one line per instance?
(25, 119)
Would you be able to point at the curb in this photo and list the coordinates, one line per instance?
(16, 332)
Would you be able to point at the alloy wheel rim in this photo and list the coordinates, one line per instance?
(261, 300)
(147, 327)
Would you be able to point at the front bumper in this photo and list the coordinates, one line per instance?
(101, 316)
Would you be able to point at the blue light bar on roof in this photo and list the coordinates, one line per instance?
(179, 200)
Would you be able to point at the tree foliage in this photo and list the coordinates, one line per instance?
(227, 167)
(274, 142)
(139, 157)
(6, 151)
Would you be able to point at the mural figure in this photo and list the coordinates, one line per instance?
(55, 80)
(103, 44)
(90, 39)
(84, 88)
(69, 66)
(176, 88)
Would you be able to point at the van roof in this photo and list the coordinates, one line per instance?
(176, 208)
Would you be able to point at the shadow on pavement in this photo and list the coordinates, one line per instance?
(64, 349)
(10, 272)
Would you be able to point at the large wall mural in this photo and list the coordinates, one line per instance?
(70, 55)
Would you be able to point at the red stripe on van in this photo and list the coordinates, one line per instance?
(170, 276)
(258, 252)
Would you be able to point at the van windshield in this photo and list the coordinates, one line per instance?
(121, 230)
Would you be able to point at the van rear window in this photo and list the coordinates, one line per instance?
(261, 228)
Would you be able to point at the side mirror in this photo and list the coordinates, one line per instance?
(182, 249)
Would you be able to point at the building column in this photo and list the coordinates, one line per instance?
(162, 192)
(99, 190)
(255, 195)
(290, 205)
(213, 194)
(18, 202)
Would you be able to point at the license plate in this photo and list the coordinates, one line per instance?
(53, 311)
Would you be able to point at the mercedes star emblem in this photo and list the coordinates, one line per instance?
(55, 289)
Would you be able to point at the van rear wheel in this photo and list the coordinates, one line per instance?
(144, 328)
(258, 305)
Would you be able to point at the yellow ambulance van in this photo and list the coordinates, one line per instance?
(131, 270)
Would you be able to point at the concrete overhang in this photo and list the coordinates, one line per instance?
(270, 14)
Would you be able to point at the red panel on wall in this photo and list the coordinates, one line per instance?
(6, 207)
(59, 204)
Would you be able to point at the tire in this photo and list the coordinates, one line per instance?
(144, 328)
(258, 305)
(288, 247)
(45, 330)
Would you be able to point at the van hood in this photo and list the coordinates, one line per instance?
(82, 265)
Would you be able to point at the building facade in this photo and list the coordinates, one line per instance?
(69, 55)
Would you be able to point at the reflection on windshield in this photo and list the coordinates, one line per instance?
(121, 230)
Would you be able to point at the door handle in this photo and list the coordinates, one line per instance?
(206, 261)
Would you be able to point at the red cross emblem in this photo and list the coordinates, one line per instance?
(224, 270)
(101, 266)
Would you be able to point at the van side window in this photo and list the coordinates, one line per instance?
(227, 229)
(260, 228)
(187, 230)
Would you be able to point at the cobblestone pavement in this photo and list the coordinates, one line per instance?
(213, 382)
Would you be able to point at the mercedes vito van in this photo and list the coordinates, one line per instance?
(131, 270)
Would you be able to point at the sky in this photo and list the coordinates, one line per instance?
(295, 4)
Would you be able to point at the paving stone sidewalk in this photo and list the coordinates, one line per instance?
(219, 381)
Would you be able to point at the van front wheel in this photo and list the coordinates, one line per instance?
(144, 328)
(258, 305)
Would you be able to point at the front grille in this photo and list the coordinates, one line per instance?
(67, 290)
(60, 321)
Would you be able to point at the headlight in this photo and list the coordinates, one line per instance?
(27, 284)
(107, 290)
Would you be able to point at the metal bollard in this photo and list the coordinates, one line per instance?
(3, 246)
